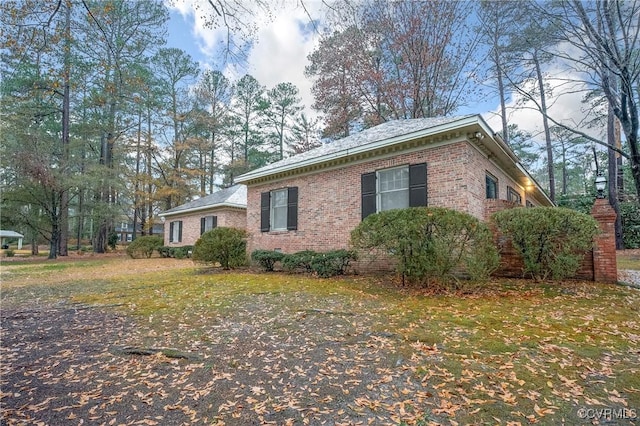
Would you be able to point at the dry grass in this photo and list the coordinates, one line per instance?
(629, 259)
(515, 352)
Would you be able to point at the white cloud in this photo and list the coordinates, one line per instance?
(279, 53)
(199, 14)
(564, 104)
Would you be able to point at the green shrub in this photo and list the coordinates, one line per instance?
(226, 246)
(630, 213)
(165, 251)
(9, 253)
(551, 240)
(332, 263)
(180, 252)
(144, 246)
(299, 261)
(266, 258)
(429, 242)
(113, 239)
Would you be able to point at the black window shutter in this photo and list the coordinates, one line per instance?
(368, 190)
(171, 232)
(292, 208)
(418, 185)
(214, 222)
(179, 231)
(265, 207)
(203, 224)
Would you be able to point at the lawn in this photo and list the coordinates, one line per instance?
(161, 341)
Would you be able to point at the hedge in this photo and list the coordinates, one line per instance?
(551, 240)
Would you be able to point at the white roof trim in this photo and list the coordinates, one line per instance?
(197, 209)
(466, 121)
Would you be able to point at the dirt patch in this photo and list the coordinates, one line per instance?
(64, 363)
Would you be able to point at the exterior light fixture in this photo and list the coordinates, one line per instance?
(601, 183)
(163, 219)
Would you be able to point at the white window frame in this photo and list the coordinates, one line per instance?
(208, 223)
(280, 209)
(175, 238)
(380, 193)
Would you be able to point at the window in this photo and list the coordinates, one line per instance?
(396, 188)
(175, 231)
(491, 184)
(393, 189)
(513, 195)
(279, 210)
(529, 204)
(207, 223)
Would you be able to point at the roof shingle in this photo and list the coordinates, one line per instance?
(235, 196)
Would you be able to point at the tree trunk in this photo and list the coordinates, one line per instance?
(136, 185)
(547, 132)
(35, 250)
(565, 179)
(503, 102)
(66, 109)
(54, 241)
(613, 176)
(212, 165)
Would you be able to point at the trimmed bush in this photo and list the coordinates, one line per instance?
(144, 246)
(266, 258)
(165, 251)
(332, 263)
(226, 246)
(182, 252)
(551, 240)
(429, 243)
(299, 261)
(175, 252)
(630, 213)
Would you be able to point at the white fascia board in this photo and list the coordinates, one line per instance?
(535, 184)
(364, 148)
(197, 209)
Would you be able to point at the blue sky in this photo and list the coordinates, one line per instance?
(278, 55)
(284, 42)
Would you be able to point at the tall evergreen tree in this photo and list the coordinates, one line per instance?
(284, 106)
(175, 69)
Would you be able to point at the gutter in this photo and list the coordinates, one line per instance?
(256, 174)
(197, 209)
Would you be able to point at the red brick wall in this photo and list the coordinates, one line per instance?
(605, 267)
(227, 216)
(329, 200)
(598, 264)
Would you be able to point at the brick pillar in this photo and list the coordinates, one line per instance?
(605, 268)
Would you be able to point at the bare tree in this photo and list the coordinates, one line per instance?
(603, 39)
(497, 23)
(384, 62)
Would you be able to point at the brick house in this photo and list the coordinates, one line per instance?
(185, 223)
(313, 200)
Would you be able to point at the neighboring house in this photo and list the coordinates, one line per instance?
(313, 200)
(184, 224)
(125, 230)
